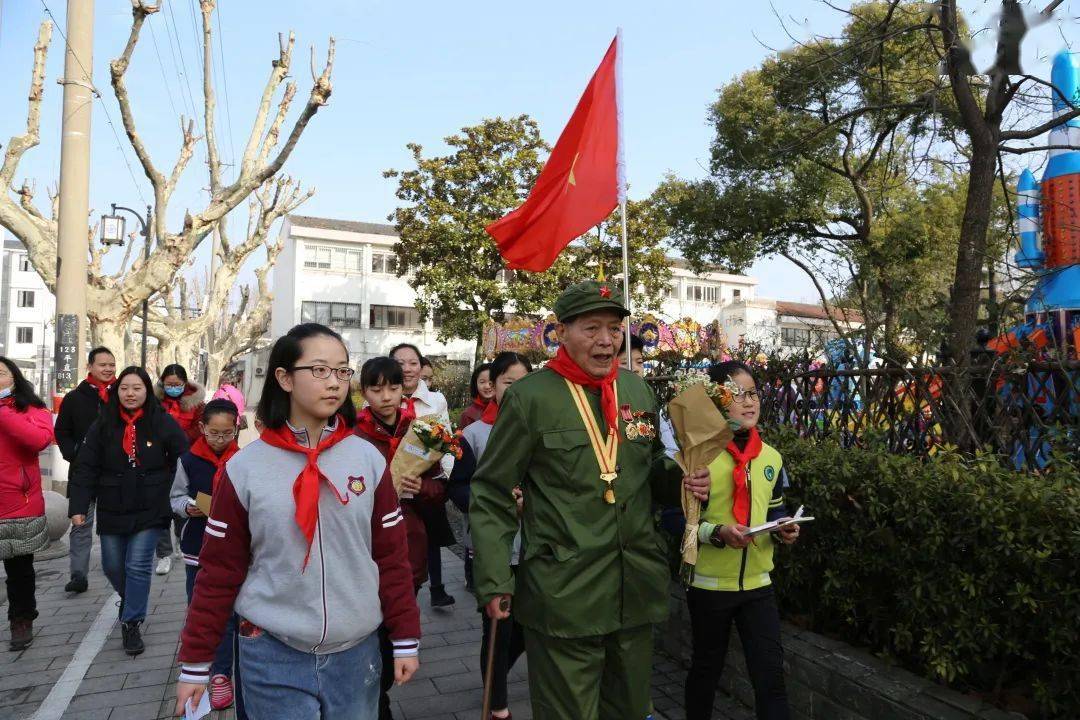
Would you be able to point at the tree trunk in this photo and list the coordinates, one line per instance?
(971, 251)
(111, 333)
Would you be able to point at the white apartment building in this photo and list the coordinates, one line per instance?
(702, 296)
(342, 273)
(27, 316)
(788, 327)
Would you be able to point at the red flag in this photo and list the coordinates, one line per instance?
(580, 184)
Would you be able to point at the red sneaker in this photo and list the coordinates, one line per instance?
(221, 692)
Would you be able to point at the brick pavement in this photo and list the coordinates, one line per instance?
(117, 687)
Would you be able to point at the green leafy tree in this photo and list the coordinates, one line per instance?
(455, 266)
(816, 154)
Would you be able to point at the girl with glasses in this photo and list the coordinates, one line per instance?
(196, 474)
(306, 543)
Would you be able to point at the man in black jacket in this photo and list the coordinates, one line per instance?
(78, 412)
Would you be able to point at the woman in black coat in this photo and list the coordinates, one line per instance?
(127, 463)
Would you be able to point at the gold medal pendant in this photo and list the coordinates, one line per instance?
(609, 493)
(631, 431)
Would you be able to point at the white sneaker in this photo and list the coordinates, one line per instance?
(164, 565)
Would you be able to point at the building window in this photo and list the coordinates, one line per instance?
(703, 293)
(795, 337)
(384, 262)
(24, 335)
(736, 295)
(338, 315)
(671, 291)
(26, 298)
(505, 275)
(393, 316)
(317, 258)
(24, 263)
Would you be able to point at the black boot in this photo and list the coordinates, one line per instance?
(469, 573)
(440, 598)
(22, 634)
(77, 584)
(133, 642)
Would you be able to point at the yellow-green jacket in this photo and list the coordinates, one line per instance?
(587, 567)
(726, 568)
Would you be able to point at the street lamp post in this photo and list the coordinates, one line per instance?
(112, 233)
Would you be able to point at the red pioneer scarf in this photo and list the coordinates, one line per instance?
(370, 426)
(128, 441)
(9, 401)
(306, 485)
(491, 412)
(609, 405)
(740, 506)
(201, 449)
(102, 388)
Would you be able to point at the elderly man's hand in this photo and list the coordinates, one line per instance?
(698, 482)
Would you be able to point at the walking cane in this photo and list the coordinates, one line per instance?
(504, 605)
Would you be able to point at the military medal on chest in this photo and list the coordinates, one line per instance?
(605, 445)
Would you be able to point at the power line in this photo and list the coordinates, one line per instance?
(183, 63)
(176, 68)
(96, 94)
(225, 81)
(164, 78)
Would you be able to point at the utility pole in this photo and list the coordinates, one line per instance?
(73, 239)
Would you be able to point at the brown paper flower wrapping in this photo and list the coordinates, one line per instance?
(412, 459)
(703, 433)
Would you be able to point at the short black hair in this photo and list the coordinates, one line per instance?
(219, 406)
(723, 371)
(474, 391)
(174, 369)
(637, 344)
(424, 362)
(98, 351)
(380, 371)
(21, 390)
(410, 346)
(273, 408)
(506, 360)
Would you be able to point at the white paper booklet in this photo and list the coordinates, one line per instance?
(775, 525)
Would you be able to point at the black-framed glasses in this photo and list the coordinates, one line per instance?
(748, 396)
(321, 372)
(220, 436)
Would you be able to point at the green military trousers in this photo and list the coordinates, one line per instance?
(602, 677)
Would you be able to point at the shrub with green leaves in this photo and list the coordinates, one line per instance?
(957, 567)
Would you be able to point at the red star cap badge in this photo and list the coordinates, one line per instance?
(605, 291)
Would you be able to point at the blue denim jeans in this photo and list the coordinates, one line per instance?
(287, 684)
(128, 563)
(223, 659)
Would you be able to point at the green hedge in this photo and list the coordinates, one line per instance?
(958, 568)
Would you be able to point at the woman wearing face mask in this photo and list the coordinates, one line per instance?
(197, 473)
(506, 369)
(306, 543)
(420, 401)
(182, 399)
(127, 462)
(25, 430)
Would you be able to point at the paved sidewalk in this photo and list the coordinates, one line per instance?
(117, 687)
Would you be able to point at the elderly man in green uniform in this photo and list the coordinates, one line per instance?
(580, 439)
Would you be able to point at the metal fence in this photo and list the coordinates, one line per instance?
(1028, 414)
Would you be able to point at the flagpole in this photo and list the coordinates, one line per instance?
(620, 171)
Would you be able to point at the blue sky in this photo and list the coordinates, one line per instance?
(417, 72)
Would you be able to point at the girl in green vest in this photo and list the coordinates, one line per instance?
(731, 583)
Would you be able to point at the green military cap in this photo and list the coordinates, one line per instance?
(589, 296)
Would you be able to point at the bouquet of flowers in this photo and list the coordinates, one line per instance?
(703, 431)
(422, 447)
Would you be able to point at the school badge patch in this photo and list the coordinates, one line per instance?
(356, 485)
(770, 472)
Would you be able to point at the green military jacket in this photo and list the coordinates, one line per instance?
(587, 567)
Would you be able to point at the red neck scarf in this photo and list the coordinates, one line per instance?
(128, 441)
(570, 370)
(201, 449)
(9, 401)
(481, 403)
(367, 423)
(740, 506)
(408, 404)
(490, 413)
(306, 485)
(102, 388)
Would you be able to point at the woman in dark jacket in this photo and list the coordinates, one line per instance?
(127, 463)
